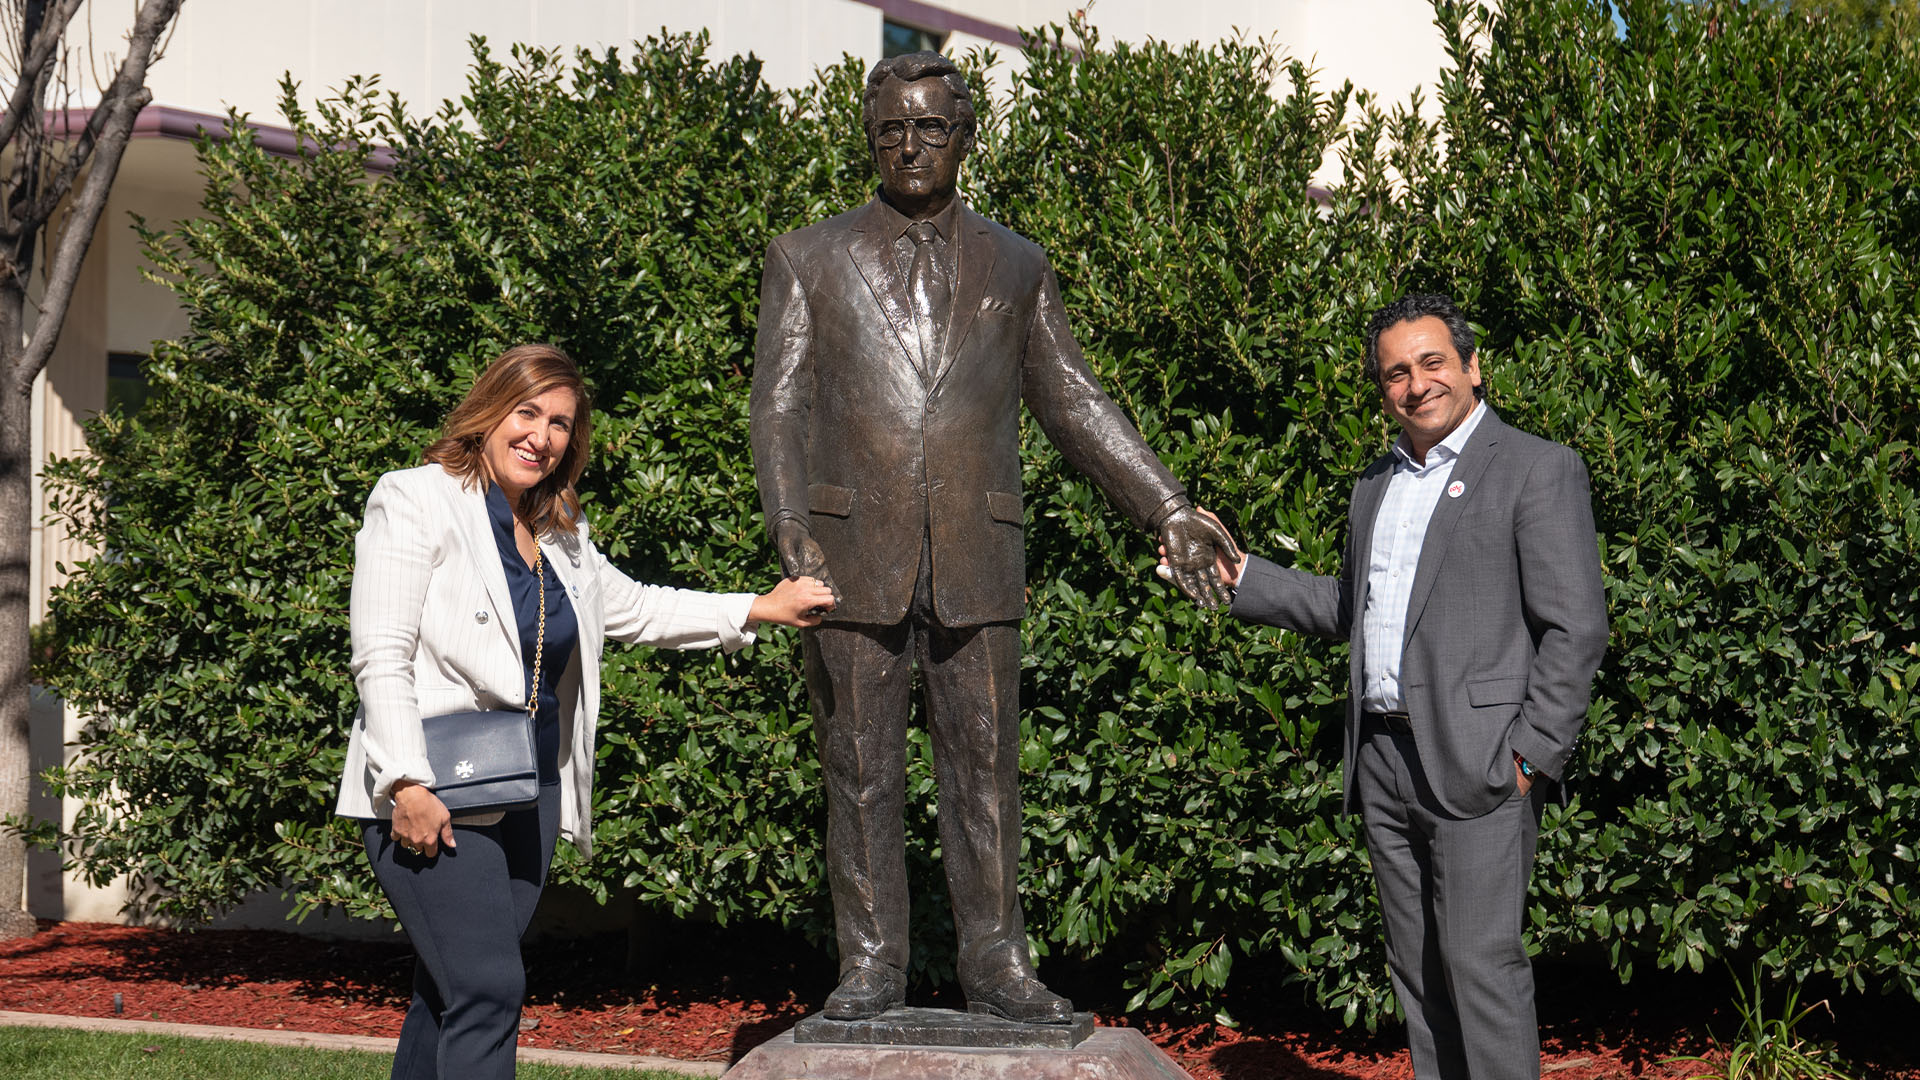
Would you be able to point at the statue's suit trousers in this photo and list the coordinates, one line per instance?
(860, 678)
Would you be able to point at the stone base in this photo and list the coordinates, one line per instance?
(1108, 1054)
(944, 1027)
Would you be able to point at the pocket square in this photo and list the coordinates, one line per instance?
(992, 306)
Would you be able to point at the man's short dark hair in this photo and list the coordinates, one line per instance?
(913, 67)
(1420, 306)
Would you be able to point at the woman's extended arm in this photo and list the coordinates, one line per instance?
(687, 619)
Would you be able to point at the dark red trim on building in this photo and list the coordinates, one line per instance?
(167, 122)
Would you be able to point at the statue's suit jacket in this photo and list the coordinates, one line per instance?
(878, 447)
(1506, 624)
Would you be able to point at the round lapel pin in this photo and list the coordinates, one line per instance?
(1456, 489)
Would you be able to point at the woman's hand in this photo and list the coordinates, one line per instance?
(421, 823)
(794, 602)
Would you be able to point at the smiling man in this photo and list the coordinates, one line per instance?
(897, 343)
(1471, 594)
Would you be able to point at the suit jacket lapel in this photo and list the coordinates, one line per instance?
(1479, 453)
(471, 507)
(872, 252)
(972, 270)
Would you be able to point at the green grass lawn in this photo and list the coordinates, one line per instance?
(62, 1054)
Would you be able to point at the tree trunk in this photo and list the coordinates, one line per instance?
(38, 185)
(16, 542)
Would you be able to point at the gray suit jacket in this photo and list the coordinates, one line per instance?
(1506, 624)
(879, 449)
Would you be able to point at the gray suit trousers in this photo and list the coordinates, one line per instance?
(1453, 897)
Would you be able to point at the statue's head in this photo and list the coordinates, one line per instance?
(919, 119)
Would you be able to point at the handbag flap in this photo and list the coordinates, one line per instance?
(479, 747)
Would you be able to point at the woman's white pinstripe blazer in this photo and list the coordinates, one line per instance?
(434, 631)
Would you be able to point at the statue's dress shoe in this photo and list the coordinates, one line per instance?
(1021, 998)
(866, 993)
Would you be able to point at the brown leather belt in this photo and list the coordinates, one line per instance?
(1396, 722)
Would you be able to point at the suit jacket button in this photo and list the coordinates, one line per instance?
(480, 617)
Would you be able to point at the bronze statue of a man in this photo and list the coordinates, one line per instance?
(896, 344)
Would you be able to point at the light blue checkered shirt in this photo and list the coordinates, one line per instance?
(1399, 530)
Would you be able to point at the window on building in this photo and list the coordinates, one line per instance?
(899, 39)
(126, 385)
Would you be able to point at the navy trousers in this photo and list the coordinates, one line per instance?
(465, 911)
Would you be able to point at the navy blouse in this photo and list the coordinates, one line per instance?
(563, 631)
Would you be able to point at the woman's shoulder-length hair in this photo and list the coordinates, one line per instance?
(522, 373)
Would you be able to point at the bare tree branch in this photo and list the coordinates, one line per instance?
(120, 103)
(40, 50)
(78, 153)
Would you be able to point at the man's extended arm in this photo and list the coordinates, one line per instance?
(1273, 595)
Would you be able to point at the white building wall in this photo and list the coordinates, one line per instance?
(70, 391)
(1387, 46)
(159, 181)
(234, 52)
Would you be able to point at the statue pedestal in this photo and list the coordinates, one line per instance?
(944, 1027)
(929, 1044)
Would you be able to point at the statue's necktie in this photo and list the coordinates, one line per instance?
(927, 287)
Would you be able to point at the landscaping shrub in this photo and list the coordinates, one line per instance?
(1690, 248)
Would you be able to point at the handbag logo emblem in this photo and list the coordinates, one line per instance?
(463, 770)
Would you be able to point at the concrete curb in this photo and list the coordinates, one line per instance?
(342, 1042)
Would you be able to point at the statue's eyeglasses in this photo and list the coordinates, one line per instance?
(933, 131)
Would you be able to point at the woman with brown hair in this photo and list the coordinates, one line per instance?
(475, 587)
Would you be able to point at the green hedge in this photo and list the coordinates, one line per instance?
(1691, 249)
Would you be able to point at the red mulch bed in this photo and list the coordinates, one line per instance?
(582, 999)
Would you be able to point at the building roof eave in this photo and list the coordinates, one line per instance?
(170, 122)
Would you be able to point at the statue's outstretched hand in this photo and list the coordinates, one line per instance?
(800, 554)
(1227, 561)
(1198, 556)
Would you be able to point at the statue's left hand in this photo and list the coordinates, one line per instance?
(1193, 544)
(800, 555)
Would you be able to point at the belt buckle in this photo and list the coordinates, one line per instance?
(1397, 722)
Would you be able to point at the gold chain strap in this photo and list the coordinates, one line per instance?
(539, 641)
